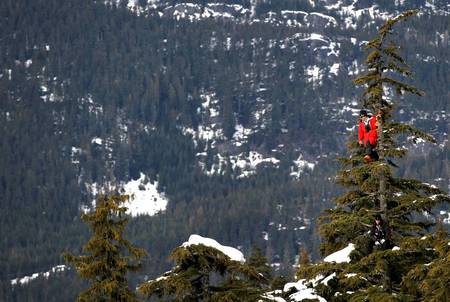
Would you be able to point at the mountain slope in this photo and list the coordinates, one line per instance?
(237, 109)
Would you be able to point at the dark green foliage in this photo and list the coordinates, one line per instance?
(429, 281)
(109, 255)
(204, 273)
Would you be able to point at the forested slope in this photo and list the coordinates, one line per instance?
(97, 93)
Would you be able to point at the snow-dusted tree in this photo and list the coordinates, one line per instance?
(206, 271)
(407, 269)
(110, 257)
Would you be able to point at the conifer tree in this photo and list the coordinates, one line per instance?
(109, 255)
(203, 273)
(389, 273)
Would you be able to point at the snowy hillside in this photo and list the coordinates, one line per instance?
(222, 118)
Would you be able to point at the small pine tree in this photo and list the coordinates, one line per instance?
(203, 273)
(259, 263)
(386, 274)
(109, 255)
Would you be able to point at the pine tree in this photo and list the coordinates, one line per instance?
(405, 205)
(203, 273)
(109, 255)
(430, 281)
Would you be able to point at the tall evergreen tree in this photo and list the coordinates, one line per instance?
(109, 255)
(405, 205)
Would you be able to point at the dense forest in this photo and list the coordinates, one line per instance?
(74, 71)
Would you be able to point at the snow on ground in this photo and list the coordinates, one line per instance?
(28, 63)
(144, 196)
(27, 279)
(97, 140)
(245, 163)
(231, 252)
(351, 14)
(341, 255)
(334, 69)
(248, 164)
(300, 165)
(314, 74)
(331, 20)
(241, 134)
(445, 220)
(92, 106)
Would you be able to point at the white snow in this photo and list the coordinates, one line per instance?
(255, 158)
(28, 63)
(314, 74)
(334, 69)
(341, 256)
(247, 163)
(307, 293)
(395, 248)
(313, 36)
(97, 140)
(241, 134)
(231, 252)
(271, 297)
(331, 20)
(301, 165)
(145, 198)
(327, 279)
(27, 279)
(303, 292)
(446, 220)
(93, 107)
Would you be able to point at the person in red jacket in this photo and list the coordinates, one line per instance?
(368, 136)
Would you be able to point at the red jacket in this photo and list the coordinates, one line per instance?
(368, 132)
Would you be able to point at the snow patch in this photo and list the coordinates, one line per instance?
(334, 69)
(303, 292)
(327, 279)
(27, 279)
(97, 141)
(341, 256)
(144, 196)
(301, 165)
(28, 63)
(314, 74)
(231, 252)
